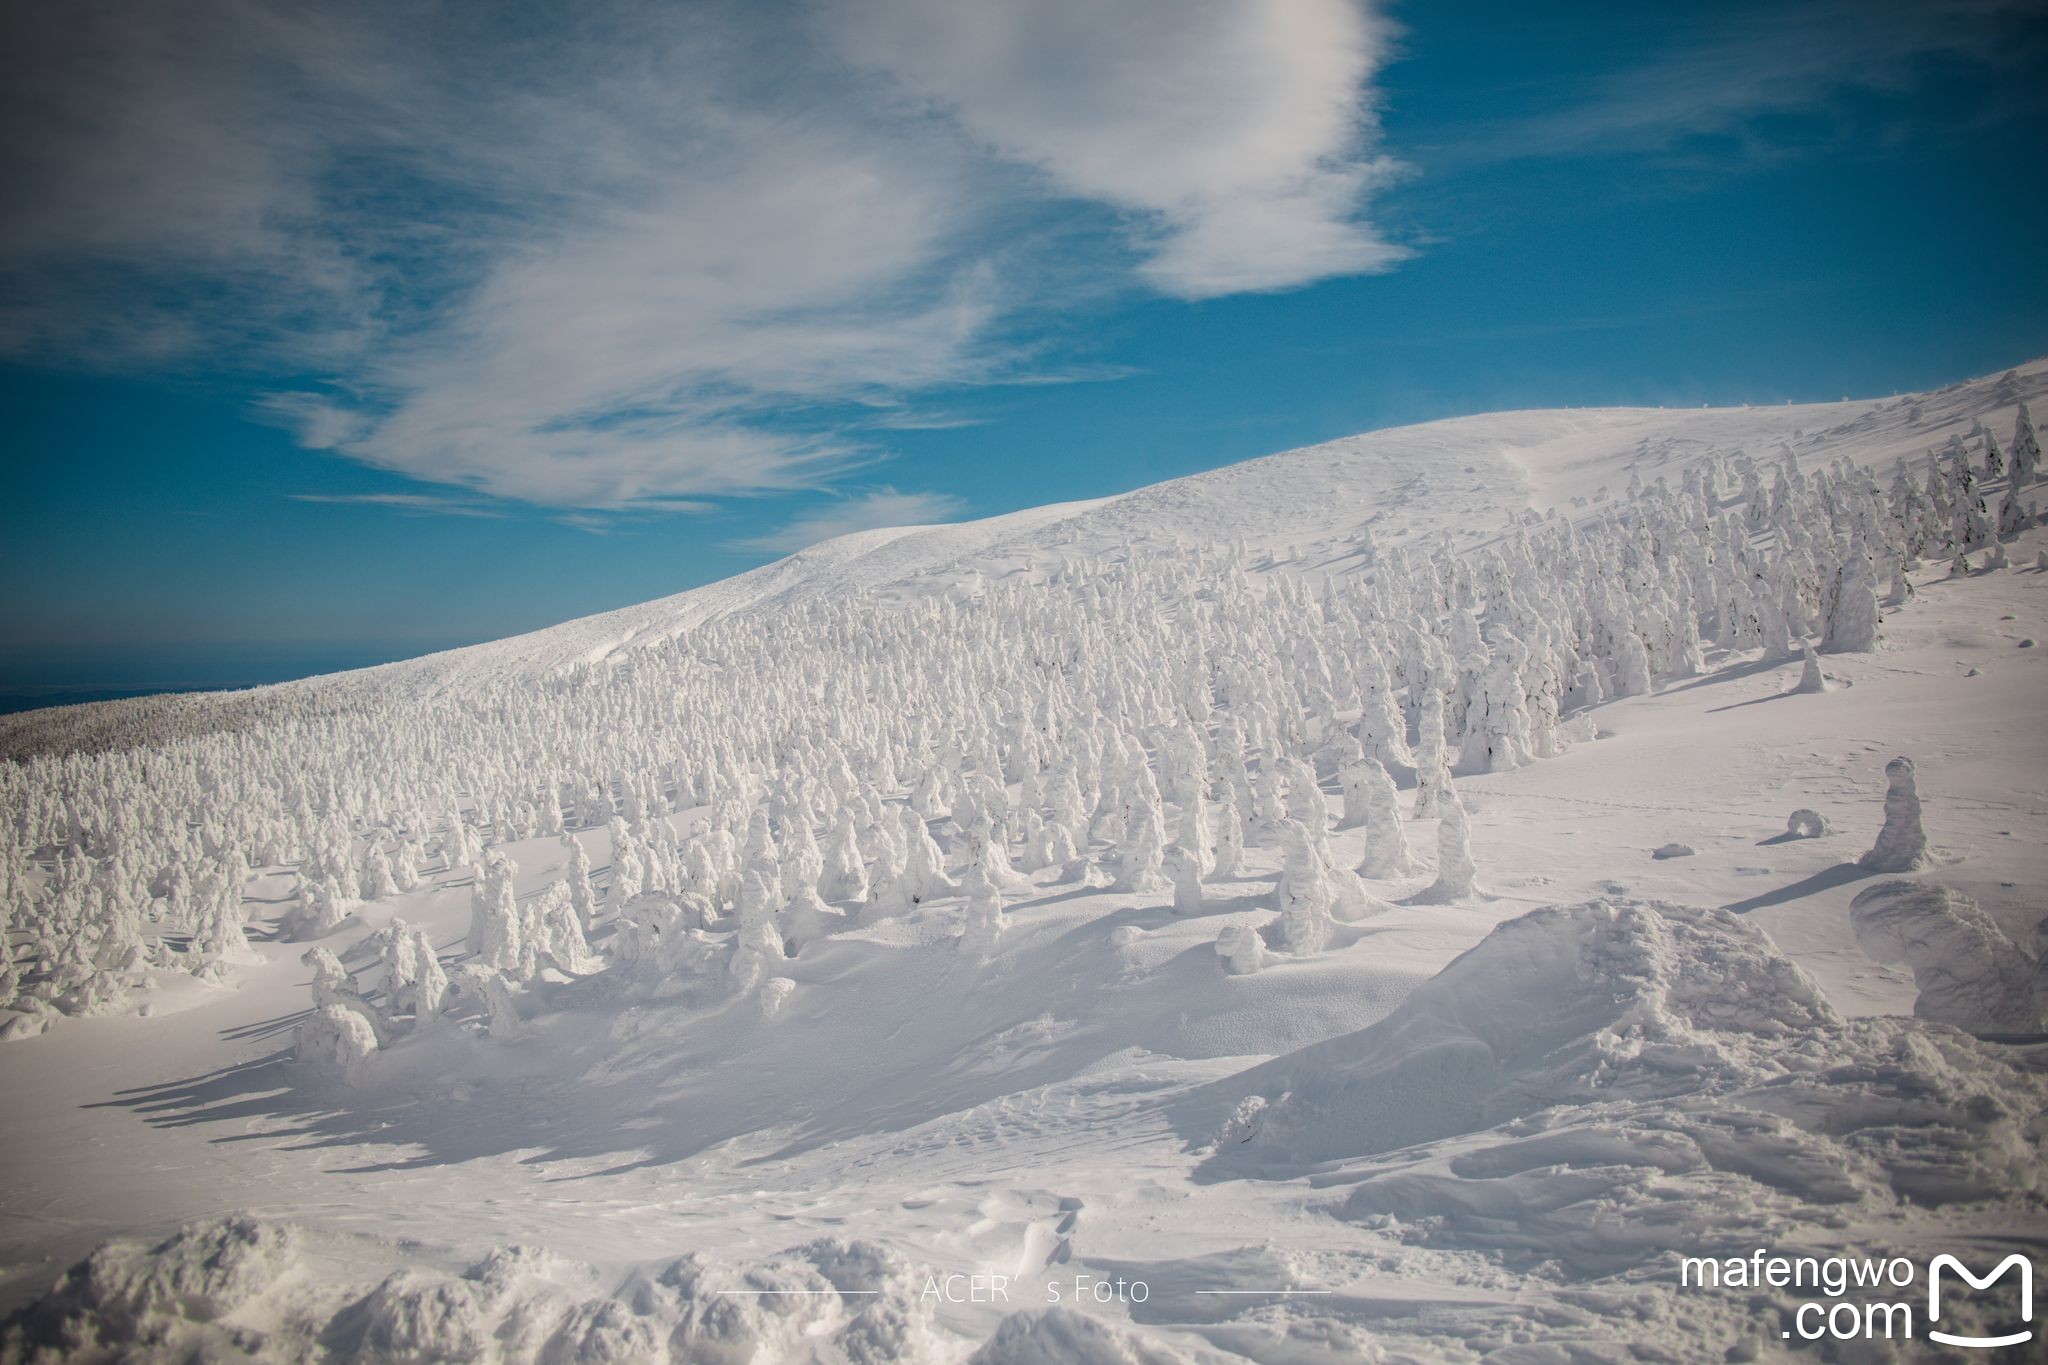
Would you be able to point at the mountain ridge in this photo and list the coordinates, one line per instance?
(1465, 475)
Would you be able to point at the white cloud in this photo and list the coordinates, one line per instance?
(646, 254)
(868, 511)
(1236, 133)
(1774, 59)
(319, 421)
(624, 358)
(427, 503)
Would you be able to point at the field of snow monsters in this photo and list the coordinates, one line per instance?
(1503, 889)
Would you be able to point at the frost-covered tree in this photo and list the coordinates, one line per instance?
(1352, 775)
(2012, 517)
(1133, 703)
(322, 909)
(890, 890)
(925, 867)
(459, 846)
(219, 939)
(802, 863)
(414, 981)
(1811, 679)
(1305, 894)
(982, 913)
(1432, 768)
(1631, 664)
(1497, 726)
(758, 945)
(2026, 449)
(1193, 830)
(806, 918)
(334, 989)
(1853, 619)
(1229, 840)
(1184, 871)
(582, 895)
(1456, 874)
(1386, 842)
(377, 882)
(494, 924)
(474, 982)
(405, 867)
(1902, 844)
(551, 935)
(1142, 866)
(845, 877)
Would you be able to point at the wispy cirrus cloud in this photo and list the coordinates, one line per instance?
(1236, 138)
(1752, 61)
(424, 504)
(634, 255)
(870, 510)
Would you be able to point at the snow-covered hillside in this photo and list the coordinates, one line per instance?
(1394, 899)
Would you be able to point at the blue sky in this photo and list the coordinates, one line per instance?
(331, 334)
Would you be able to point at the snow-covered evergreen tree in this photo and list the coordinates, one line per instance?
(1386, 842)
(2026, 449)
(1902, 844)
(1456, 874)
(845, 877)
(1853, 620)
(1305, 894)
(982, 914)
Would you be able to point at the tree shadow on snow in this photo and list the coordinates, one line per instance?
(265, 1028)
(1729, 673)
(1839, 875)
(1234, 905)
(1759, 701)
(934, 1035)
(246, 1090)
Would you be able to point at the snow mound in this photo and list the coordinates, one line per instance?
(1604, 1087)
(1805, 824)
(240, 1288)
(857, 1302)
(1062, 1336)
(183, 1298)
(1969, 973)
(1579, 1004)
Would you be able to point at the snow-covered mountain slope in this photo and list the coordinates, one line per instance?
(1331, 892)
(1463, 475)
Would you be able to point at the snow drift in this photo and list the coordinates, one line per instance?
(1600, 1085)
(1595, 1002)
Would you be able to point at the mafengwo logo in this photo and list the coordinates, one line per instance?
(1848, 1306)
(2012, 1262)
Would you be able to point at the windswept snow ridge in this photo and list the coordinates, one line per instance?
(1564, 1007)
(1610, 1086)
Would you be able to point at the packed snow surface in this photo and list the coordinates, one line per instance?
(1341, 906)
